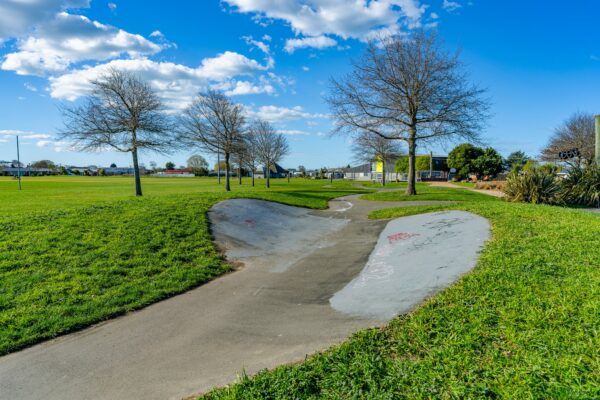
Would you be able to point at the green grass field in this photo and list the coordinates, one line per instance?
(426, 192)
(524, 324)
(75, 251)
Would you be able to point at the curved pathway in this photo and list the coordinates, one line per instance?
(252, 319)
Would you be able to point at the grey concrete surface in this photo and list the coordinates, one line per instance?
(271, 235)
(414, 258)
(258, 317)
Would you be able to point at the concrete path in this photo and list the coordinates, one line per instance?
(271, 311)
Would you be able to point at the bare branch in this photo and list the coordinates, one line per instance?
(407, 88)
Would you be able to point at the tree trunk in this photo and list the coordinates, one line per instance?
(288, 177)
(136, 172)
(383, 168)
(240, 174)
(253, 176)
(227, 185)
(268, 172)
(412, 173)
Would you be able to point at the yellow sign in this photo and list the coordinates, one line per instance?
(378, 166)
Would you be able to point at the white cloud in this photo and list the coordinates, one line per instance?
(305, 69)
(293, 132)
(229, 64)
(317, 42)
(17, 18)
(276, 114)
(175, 83)
(451, 5)
(262, 46)
(67, 39)
(56, 145)
(30, 87)
(7, 134)
(238, 88)
(112, 6)
(157, 33)
(347, 19)
(23, 134)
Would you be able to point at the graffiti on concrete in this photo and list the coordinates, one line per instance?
(400, 236)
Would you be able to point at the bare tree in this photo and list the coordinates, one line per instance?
(577, 132)
(122, 113)
(250, 158)
(370, 147)
(268, 145)
(239, 158)
(407, 88)
(214, 124)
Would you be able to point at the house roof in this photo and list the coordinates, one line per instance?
(278, 169)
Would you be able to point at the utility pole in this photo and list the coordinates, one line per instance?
(18, 164)
(597, 119)
(430, 164)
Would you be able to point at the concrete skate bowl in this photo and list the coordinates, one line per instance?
(411, 259)
(267, 234)
(414, 258)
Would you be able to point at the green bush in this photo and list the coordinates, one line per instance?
(582, 187)
(534, 185)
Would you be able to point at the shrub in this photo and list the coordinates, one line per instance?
(491, 185)
(582, 187)
(534, 185)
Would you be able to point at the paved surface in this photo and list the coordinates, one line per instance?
(414, 258)
(258, 317)
(263, 233)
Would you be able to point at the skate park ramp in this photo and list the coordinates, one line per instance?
(272, 235)
(414, 258)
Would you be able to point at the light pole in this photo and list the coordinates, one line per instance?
(597, 119)
(18, 163)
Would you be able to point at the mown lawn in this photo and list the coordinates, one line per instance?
(64, 192)
(75, 251)
(427, 192)
(524, 324)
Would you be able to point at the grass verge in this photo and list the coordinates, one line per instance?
(426, 192)
(524, 324)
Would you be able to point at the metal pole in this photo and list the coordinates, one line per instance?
(18, 164)
(597, 119)
(430, 164)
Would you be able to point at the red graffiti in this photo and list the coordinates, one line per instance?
(401, 236)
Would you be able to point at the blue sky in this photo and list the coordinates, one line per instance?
(539, 60)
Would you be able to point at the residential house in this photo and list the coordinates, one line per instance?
(181, 172)
(276, 171)
(374, 171)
